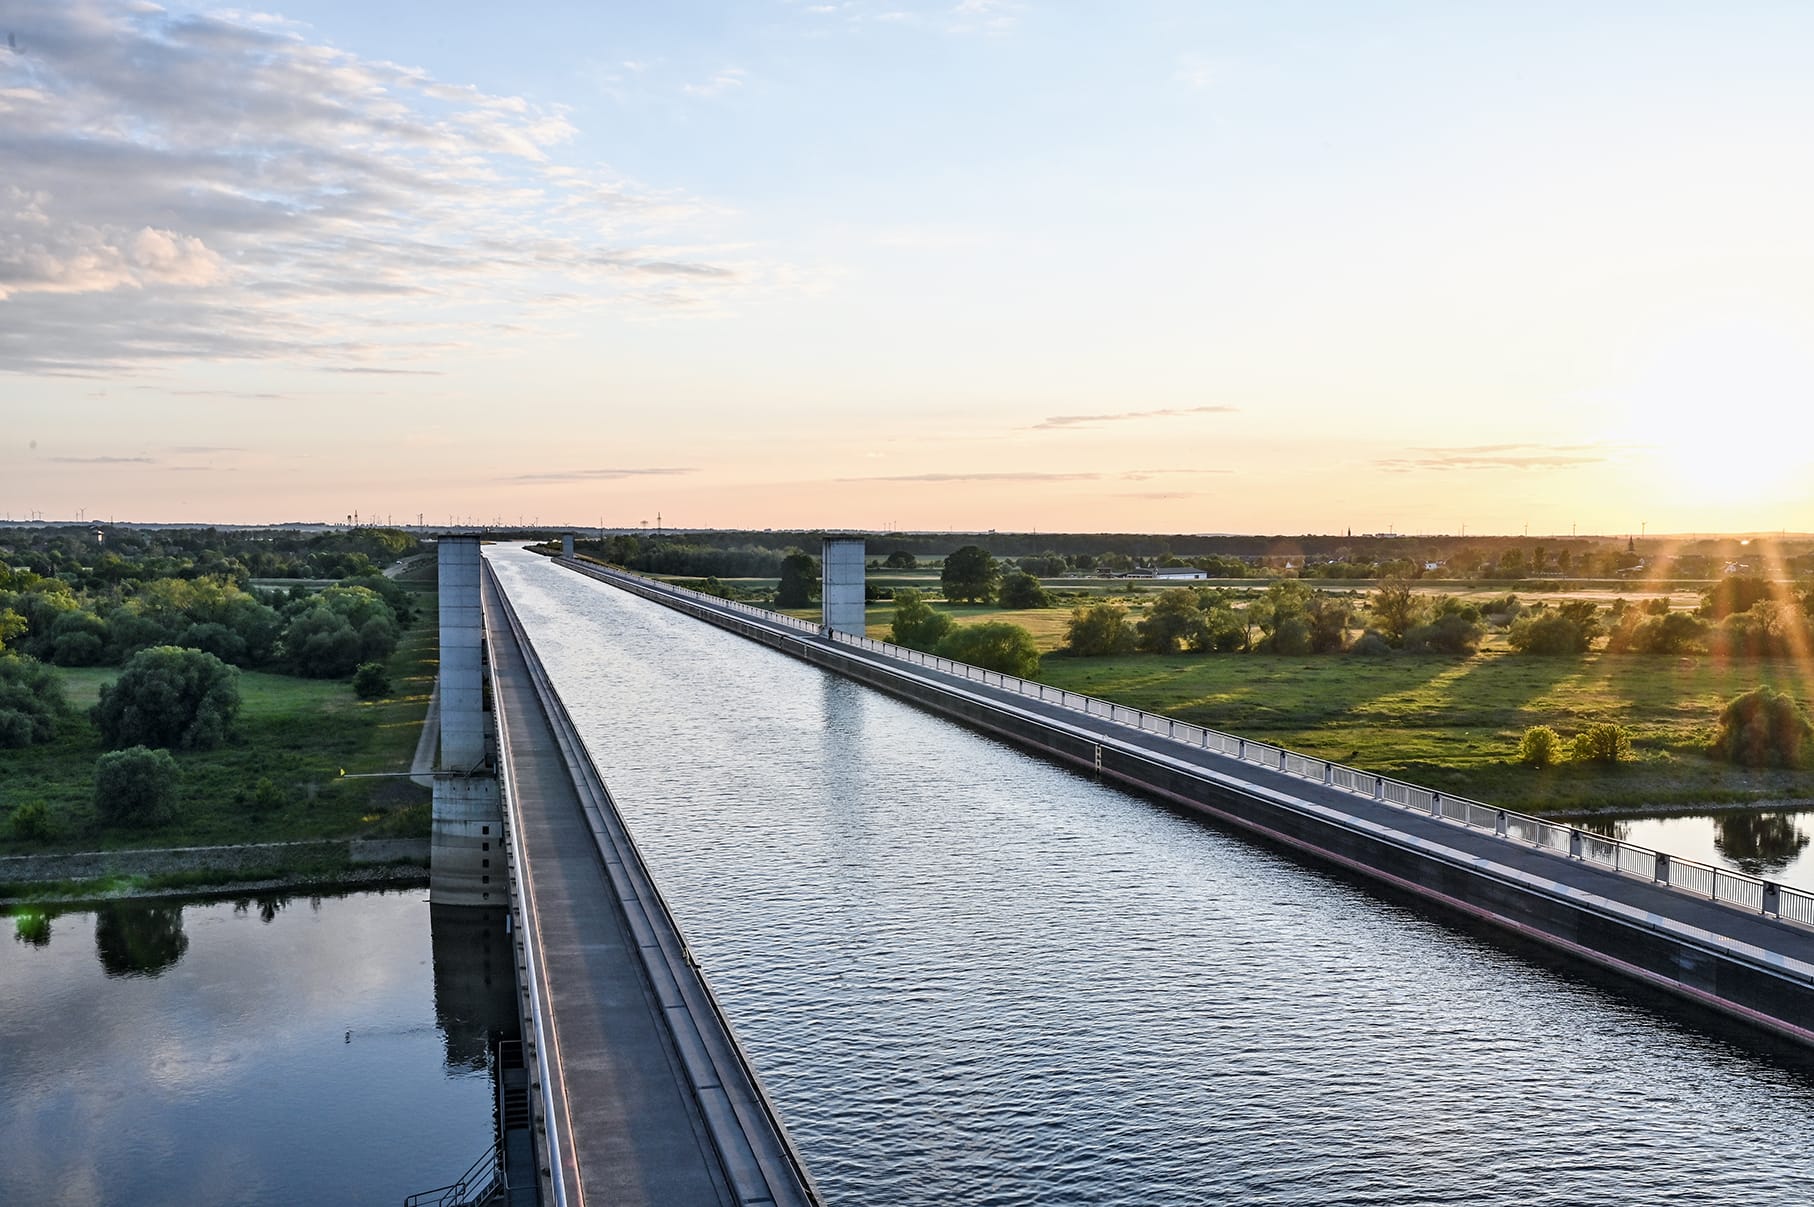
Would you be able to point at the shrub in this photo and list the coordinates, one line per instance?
(1554, 633)
(1603, 743)
(135, 787)
(916, 625)
(1451, 633)
(1370, 644)
(31, 822)
(267, 796)
(30, 699)
(370, 682)
(1022, 590)
(1099, 630)
(176, 698)
(1540, 747)
(1763, 728)
(995, 645)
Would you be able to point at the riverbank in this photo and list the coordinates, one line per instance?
(202, 871)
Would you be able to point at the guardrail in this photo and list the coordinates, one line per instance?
(1737, 889)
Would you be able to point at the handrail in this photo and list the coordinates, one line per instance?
(1739, 890)
(472, 1186)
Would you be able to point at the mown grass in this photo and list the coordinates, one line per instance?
(299, 733)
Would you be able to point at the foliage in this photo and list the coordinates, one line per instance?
(327, 635)
(1763, 728)
(266, 795)
(1552, 632)
(31, 822)
(969, 575)
(1733, 594)
(799, 581)
(170, 697)
(1540, 747)
(995, 645)
(1644, 631)
(1022, 590)
(900, 559)
(916, 625)
(1174, 621)
(1099, 630)
(1766, 629)
(1448, 632)
(370, 681)
(30, 701)
(1294, 619)
(1396, 609)
(1606, 742)
(136, 787)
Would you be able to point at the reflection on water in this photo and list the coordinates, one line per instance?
(134, 938)
(255, 1052)
(1762, 844)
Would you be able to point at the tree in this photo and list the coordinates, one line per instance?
(1022, 590)
(900, 559)
(170, 697)
(1099, 630)
(1569, 629)
(1736, 593)
(799, 580)
(1763, 728)
(31, 698)
(135, 787)
(1397, 609)
(995, 645)
(916, 625)
(1174, 621)
(969, 575)
(1603, 743)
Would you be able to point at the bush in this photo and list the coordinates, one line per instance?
(1567, 630)
(1603, 743)
(267, 796)
(135, 787)
(31, 822)
(370, 682)
(1763, 728)
(1540, 747)
(1022, 590)
(916, 625)
(31, 697)
(1099, 630)
(995, 645)
(1370, 644)
(176, 698)
(1452, 633)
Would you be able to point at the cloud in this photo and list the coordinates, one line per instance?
(182, 186)
(1500, 456)
(980, 477)
(1141, 475)
(948, 16)
(104, 460)
(1157, 494)
(721, 82)
(597, 475)
(1059, 422)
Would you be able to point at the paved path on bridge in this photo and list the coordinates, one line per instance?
(634, 1129)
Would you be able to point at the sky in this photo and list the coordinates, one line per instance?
(986, 264)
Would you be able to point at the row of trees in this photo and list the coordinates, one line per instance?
(100, 558)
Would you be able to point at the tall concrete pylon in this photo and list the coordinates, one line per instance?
(567, 546)
(465, 844)
(841, 584)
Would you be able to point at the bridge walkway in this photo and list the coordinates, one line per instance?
(634, 1130)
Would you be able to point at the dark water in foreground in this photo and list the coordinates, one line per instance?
(968, 976)
(272, 1051)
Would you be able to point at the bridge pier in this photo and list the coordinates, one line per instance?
(567, 546)
(465, 866)
(841, 584)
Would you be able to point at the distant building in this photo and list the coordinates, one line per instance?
(1183, 572)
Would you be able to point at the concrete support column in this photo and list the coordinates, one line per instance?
(841, 584)
(466, 865)
(567, 545)
(462, 630)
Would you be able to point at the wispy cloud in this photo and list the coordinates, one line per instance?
(181, 186)
(721, 82)
(981, 477)
(203, 450)
(103, 460)
(959, 17)
(1060, 422)
(598, 475)
(1141, 475)
(1500, 456)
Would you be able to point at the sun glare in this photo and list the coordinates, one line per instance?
(1726, 414)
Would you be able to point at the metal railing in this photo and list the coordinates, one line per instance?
(473, 1187)
(1737, 889)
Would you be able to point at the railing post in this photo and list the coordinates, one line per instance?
(1379, 787)
(1281, 758)
(1662, 868)
(1435, 804)
(1772, 898)
(1574, 844)
(1499, 826)
(1328, 773)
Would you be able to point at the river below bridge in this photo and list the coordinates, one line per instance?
(970, 976)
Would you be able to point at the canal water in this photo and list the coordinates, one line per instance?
(270, 1051)
(969, 976)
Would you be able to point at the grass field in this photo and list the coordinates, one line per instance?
(299, 733)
